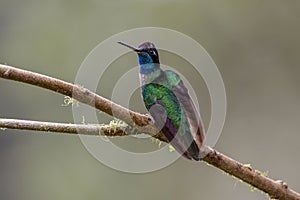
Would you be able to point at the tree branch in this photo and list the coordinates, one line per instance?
(275, 189)
(112, 129)
(84, 129)
(83, 95)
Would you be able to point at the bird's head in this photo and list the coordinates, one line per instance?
(147, 56)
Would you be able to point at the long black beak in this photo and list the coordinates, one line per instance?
(130, 47)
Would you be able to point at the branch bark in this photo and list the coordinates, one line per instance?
(275, 189)
(67, 128)
(84, 129)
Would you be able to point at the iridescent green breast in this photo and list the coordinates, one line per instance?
(155, 93)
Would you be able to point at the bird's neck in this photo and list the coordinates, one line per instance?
(147, 64)
(149, 76)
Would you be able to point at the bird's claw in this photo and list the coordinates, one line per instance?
(151, 118)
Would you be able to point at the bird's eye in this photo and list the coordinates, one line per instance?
(152, 52)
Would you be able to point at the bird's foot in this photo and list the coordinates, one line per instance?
(151, 118)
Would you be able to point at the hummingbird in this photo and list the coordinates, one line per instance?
(167, 99)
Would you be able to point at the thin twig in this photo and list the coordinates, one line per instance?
(83, 129)
(275, 189)
(113, 129)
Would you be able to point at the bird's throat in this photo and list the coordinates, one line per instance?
(150, 77)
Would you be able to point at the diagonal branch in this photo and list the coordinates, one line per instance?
(275, 189)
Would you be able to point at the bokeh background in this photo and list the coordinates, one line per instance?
(255, 45)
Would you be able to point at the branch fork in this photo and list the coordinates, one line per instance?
(275, 189)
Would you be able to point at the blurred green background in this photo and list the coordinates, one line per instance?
(255, 45)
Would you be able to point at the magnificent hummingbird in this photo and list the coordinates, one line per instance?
(169, 103)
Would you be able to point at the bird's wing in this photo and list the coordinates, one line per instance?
(188, 106)
(163, 123)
